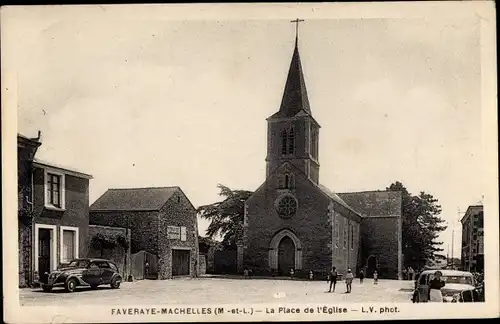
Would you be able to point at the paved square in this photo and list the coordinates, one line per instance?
(222, 291)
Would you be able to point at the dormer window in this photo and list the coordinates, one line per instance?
(54, 189)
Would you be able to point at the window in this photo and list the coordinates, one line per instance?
(346, 233)
(314, 142)
(284, 141)
(69, 243)
(291, 141)
(54, 189)
(352, 237)
(79, 264)
(337, 233)
(103, 265)
(286, 206)
(286, 181)
(113, 266)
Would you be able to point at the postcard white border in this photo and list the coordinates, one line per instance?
(483, 9)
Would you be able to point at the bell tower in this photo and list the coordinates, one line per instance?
(292, 132)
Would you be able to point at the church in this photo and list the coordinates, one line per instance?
(293, 222)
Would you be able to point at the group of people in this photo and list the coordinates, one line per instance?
(349, 277)
(409, 274)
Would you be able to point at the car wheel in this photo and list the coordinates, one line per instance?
(71, 285)
(115, 283)
(47, 288)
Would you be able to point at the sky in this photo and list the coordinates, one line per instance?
(140, 102)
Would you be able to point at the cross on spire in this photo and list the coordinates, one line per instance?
(297, 21)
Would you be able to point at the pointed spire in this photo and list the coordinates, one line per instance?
(295, 95)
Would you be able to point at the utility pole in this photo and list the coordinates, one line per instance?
(452, 245)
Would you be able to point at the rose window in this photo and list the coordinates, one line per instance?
(286, 206)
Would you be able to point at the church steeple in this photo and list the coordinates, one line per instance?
(295, 94)
(293, 134)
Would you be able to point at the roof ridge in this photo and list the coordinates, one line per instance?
(366, 191)
(167, 187)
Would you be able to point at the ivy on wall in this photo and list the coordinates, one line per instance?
(26, 215)
(103, 242)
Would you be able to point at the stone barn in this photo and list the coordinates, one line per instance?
(162, 221)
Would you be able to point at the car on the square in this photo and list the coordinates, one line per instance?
(459, 287)
(85, 272)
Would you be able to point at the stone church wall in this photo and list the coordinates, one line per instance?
(380, 229)
(346, 257)
(380, 238)
(309, 224)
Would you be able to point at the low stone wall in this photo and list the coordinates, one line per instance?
(118, 254)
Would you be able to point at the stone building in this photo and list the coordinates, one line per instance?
(292, 221)
(473, 239)
(53, 211)
(26, 150)
(162, 222)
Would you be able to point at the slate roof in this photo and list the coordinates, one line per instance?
(64, 169)
(374, 203)
(295, 97)
(334, 197)
(133, 199)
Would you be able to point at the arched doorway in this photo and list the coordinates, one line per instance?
(285, 252)
(371, 265)
(286, 255)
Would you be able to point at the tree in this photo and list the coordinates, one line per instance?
(205, 243)
(421, 227)
(226, 216)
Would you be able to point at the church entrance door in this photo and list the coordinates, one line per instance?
(286, 256)
(371, 266)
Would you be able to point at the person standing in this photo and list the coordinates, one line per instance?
(435, 286)
(361, 276)
(332, 278)
(412, 274)
(375, 277)
(348, 280)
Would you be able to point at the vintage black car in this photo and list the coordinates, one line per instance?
(82, 272)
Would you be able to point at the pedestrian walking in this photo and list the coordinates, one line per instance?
(435, 286)
(332, 278)
(348, 280)
(405, 274)
(245, 274)
(412, 274)
(375, 277)
(361, 276)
